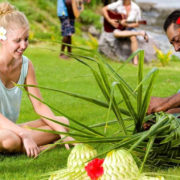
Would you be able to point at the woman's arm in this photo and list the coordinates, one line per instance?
(29, 144)
(38, 106)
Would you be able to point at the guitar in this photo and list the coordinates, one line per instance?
(113, 15)
(74, 7)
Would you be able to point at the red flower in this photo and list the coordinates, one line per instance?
(94, 168)
(178, 21)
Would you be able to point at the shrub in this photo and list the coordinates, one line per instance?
(88, 17)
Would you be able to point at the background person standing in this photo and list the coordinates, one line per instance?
(67, 26)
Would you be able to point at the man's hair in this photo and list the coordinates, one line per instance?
(172, 18)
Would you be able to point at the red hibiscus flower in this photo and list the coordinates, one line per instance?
(94, 168)
(178, 21)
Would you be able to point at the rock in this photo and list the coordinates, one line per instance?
(146, 6)
(119, 49)
(93, 31)
(153, 13)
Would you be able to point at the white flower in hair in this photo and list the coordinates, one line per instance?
(3, 33)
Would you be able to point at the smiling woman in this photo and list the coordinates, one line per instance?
(14, 67)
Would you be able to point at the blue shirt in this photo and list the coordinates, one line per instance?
(10, 98)
(61, 8)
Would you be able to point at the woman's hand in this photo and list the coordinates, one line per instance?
(31, 148)
(68, 138)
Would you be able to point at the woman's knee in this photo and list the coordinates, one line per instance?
(9, 141)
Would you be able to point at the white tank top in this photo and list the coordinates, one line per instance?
(10, 98)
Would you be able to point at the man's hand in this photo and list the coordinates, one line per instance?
(123, 22)
(173, 111)
(114, 23)
(158, 104)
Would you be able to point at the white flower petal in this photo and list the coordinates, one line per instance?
(2, 30)
(4, 38)
(3, 33)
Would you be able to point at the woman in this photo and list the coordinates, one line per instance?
(14, 67)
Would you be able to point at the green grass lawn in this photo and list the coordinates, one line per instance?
(72, 76)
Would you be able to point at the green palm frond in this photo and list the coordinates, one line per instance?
(159, 145)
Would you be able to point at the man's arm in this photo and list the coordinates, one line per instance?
(169, 104)
(113, 22)
(125, 23)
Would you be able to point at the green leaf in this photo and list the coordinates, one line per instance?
(89, 99)
(140, 77)
(119, 79)
(147, 97)
(151, 132)
(92, 131)
(128, 103)
(148, 149)
(129, 59)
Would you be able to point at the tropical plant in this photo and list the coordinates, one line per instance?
(88, 17)
(95, 2)
(154, 139)
(164, 58)
(92, 42)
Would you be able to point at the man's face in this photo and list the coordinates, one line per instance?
(173, 34)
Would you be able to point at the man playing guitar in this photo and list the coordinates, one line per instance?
(129, 11)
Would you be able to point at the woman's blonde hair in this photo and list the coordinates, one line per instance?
(10, 17)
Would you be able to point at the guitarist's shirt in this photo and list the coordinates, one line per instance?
(134, 14)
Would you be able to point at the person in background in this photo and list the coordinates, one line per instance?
(67, 27)
(17, 68)
(169, 104)
(130, 12)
